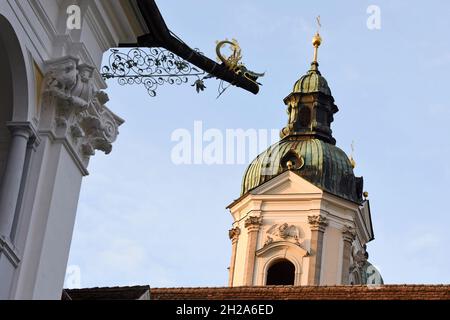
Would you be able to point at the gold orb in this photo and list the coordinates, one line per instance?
(317, 40)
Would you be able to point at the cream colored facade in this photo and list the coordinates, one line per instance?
(289, 218)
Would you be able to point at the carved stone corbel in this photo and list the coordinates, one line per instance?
(75, 111)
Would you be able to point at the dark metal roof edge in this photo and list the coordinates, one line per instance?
(160, 36)
(371, 223)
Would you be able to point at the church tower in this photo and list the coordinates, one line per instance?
(301, 218)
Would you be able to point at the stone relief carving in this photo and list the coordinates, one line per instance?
(349, 233)
(361, 270)
(283, 232)
(234, 233)
(253, 221)
(359, 257)
(80, 113)
(317, 222)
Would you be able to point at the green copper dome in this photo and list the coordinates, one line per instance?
(307, 146)
(318, 162)
(312, 82)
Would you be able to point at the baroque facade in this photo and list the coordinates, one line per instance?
(302, 218)
(52, 120)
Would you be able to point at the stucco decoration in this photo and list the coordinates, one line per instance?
(234, 233)
(317, 222)
(283, 232)
(253, 221)
(79, 111)
(349, 233)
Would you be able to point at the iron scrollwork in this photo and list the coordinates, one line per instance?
(151, 68)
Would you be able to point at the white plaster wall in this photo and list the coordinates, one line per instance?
(331, 256)
(291, 199)
(52, 185)
(58, 228)
(241, 253)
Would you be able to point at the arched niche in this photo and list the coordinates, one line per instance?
(281, 272)
(13, 86)
(277, 251)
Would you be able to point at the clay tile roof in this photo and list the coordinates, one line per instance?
(384, 292)
(107, 293)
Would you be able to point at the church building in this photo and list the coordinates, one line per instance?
(302, 218)
(302, 223)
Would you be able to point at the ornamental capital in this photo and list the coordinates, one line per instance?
(72, 109)
(253, 223)
(349, 233)
(234, 233)
(317, 222)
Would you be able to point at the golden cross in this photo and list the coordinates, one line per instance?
(317, 40)
(319, 25)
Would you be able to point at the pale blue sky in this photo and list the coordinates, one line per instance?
(143, 220)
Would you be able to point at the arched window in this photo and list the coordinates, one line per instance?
(305, 117)
(281, 272)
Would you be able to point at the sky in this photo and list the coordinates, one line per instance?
(142, 219)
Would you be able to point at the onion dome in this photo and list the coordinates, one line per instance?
(323, 164)
(312, 81)
(307, 146)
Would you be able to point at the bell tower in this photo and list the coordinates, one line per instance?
(301, 218)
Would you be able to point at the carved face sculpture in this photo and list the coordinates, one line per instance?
(85, 74)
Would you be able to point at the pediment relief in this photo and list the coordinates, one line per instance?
(284, 246)
(283, 232)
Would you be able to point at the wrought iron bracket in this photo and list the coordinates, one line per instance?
(151, 67)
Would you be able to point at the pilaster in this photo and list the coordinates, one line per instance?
(74, 123)
(348, 236)
(317, 223)
(234, 236)
(252, 224)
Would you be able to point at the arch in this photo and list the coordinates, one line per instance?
(276, 251)
(281, 272)
(13, 86)
(14, 70)
(305, 117)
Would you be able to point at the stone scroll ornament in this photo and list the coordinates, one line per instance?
(79, 110)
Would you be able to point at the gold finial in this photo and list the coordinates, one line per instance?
(365, 195)
(289, 165)
(317, 40)
(352, 161)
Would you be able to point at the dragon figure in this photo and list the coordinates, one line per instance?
(233, 61)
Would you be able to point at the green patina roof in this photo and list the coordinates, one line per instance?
(312, 81)
(306, 145)
(324, 165)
